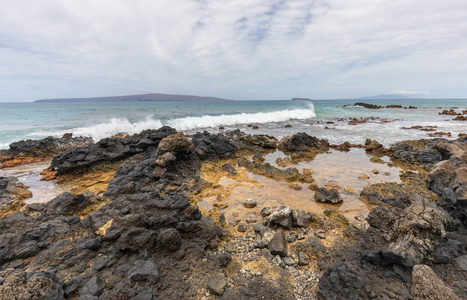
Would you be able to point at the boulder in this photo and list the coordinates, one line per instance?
(249, 203)
(426, 285)
(91, 287)
(213, 146)
(303, 142)
(281, 216)
(169, 239)
(300, 218)
(67, 204)
(278, 244)
(328, 196)
(217, 283)
(414, 234)
(148, 272)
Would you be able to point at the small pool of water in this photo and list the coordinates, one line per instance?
(333, 168)
(42, 191)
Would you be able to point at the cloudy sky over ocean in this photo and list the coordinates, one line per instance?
(242, 49)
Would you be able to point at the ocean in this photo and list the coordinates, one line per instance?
(324, 118)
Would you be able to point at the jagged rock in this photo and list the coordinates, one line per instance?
(12, 189)
(426, 285)
(302, 142)
(67, 203)
(217, 283)
(266, 211)
(224, 258)
(300, 218)
(278, 244)
(229, 168)
(135, 239)
(281, 216)
(35, 286)
(374, 147)
(368, 105)
(36, 150)
(91, 287)
(210, 146)
(341, 281)
(147, 272)
(261, 243)
(302, 259)
(108, 150)
(416, 232)
(328, 196)
(241, 228)
(426, 152)
(71, 286)
(169, 239)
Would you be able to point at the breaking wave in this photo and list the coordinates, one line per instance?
(116, 125)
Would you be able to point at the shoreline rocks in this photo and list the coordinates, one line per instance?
(144, 239)
(29, 151)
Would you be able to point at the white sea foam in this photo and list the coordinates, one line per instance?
(243, 118)
(4, 145)
(102, 130)
(116, 125)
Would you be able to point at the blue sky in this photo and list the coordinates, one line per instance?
(240, 49)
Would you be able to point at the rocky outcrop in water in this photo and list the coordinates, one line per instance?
(29, 151)
(303, 142)
(426, 152)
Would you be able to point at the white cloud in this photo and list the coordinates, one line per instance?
(240, 49)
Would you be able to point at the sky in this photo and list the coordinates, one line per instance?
(234, 49)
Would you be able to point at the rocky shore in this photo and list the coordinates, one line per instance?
(146, 236)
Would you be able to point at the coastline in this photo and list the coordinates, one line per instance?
(181, 200)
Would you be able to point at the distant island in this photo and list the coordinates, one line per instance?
(387, 97)
(301, 99)
(134, 98)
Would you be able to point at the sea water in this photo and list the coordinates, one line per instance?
(19, 121)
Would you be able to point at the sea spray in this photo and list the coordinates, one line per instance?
(244, 118)
(117, 125)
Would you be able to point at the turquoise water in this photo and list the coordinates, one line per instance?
(20, 121)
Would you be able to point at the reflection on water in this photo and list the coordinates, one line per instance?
(334, 168)
(42, 191)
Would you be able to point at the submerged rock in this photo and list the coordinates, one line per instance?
(249, 203)
(328, 196)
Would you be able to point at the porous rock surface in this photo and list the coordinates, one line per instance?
(108, 150)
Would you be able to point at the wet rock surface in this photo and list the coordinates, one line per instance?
(328, 196)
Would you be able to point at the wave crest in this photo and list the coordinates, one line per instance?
(116, 125)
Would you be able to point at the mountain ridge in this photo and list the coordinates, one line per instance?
(134, 98)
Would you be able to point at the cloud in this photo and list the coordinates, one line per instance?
(408, 93)
(238, 49)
